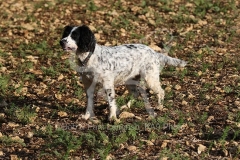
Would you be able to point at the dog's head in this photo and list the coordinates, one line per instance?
(78, 39)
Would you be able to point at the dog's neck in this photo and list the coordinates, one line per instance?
(84, 58)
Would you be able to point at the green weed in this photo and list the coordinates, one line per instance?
(92, 6)
(24, 115)
(224, 136)
(9, 141)
(202, 118)
(50, 71)
(61, 143)
(228, 89)
(176, 155)
(4, 80)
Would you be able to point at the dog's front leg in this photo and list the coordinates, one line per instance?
(89, 88)
(109, 88)
(112, 103)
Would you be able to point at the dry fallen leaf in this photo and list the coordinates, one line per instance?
(148, 142)
(62, 114)
(177, 87)
(184, 103)
(12, 124)
(13, 157)
(58, 96)
(125, 115)
(201, 148)
(30, 134)
(202, 22)
(132, 148)
(138, 117)
(164, 144)
(210, 118)
(3, 69)
(123, 107)
(237, 103)
(130, 103)
(155, 47)
(60, 77)
(17, 138)
(110, 157)
(28, 26)
(36, 72)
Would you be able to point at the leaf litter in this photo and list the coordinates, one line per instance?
(201, 116)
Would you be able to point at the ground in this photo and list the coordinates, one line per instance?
(45, 99)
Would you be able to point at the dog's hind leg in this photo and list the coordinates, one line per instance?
(154, 84)
(142, 89)
(131, 86)
(137, 87)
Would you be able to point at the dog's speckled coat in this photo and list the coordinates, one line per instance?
(114, 65)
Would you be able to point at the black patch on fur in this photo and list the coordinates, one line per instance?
(66, 32)
(130, 46)
(84, 38)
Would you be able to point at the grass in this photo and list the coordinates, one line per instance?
(60, 143)
(23, 115)
(4, 79)
(168, 153)
(10, 141)
(100, 140)
(50, 71)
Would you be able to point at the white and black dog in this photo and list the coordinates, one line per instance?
(114, 65)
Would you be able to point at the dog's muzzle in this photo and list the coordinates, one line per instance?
(63, 43)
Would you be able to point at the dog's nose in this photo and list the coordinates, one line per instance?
(63, 41)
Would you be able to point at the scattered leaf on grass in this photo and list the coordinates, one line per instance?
(132, 148)
(60, 77)
(62, 114)
(148, 142)
(14, 157)
(18, 139)
(58, 96)
(201, 148)
(177, 87)
(125, 115)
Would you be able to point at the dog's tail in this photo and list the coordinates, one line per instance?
(172, 61)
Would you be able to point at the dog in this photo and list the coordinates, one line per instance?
(112, 65)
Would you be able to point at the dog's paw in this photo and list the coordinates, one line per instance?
(160, 107)
(152, 115)
(88, 116)
(114, 120)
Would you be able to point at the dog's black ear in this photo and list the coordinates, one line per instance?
(86, 41)
(67, 30)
